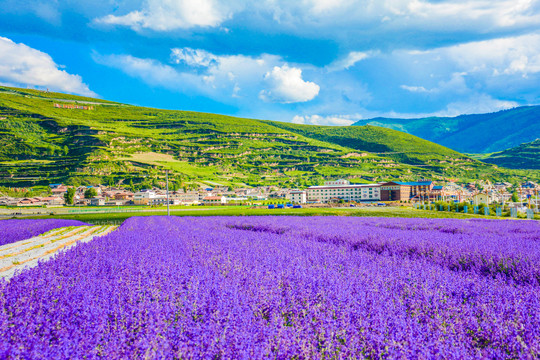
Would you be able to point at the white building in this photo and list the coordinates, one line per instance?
(162, 200)
(190, 197)
(483, 198)
(143, 197)
(337, 182)
(342, 189)
(297, 196)
(215, 200)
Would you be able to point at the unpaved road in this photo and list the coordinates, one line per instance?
(27, 253)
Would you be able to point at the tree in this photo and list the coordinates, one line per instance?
(69, 196)
(515, 197)
(90, 193)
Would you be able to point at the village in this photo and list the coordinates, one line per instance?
(331, 193)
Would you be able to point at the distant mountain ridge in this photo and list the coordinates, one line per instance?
(481, 133)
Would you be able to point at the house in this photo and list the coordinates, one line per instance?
(124, 195)
(116, 202)
(278, 194)
(162, 200)
(8, 201)
(53, 200)
(30, 202)
(529, 185)
(190, 197)
(203, 194)
(437, 192)
(81, 202)
(342, 190)
(395, 191)
(143, 197)
(214, 200)
(97, 201)
(297, 197)
(59, 190)
(483, 198)
(421, 188)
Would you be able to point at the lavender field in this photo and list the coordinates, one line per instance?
(14, 230)
(283, 288)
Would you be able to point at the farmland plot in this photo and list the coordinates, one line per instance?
(283, 288)
(28, 253)
(13, 230)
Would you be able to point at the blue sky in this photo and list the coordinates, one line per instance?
(328, 62)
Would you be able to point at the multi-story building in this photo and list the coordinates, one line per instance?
(190, 197)
(420, 188)
(143, 197)
(395, 191)
(162, 200)
(343, 190)
(215, 200)
(297, 196)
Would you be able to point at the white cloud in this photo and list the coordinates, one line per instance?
(503, 13)
(475, 77)
(287, 86)
(323, 6)
(415, 89)
(297, 119)
(349, 61)
(152, 72)
(22, 65)
(476, 104)
(46, 10)
(167, 15)
(228, 78)
(356, 16)
(193, 57)
(332, 17)
(513, 55)
(238, 76)
(339, 120)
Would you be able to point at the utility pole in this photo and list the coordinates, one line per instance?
(167, 181)
(536, 199)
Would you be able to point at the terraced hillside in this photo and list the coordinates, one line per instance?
(44, 142)
(524, 156)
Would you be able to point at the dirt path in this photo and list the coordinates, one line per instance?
(28, 253)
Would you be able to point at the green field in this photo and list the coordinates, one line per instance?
(120, 144)
(406, 212)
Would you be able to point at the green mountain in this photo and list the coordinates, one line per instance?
(484, 133)
(524, 156)
(51, 138)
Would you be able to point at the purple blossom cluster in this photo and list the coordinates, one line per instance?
(13, 230)
(282, 288)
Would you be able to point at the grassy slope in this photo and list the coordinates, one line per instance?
(483, 133)
(42, 144)
(524, 156)
(424, 156)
